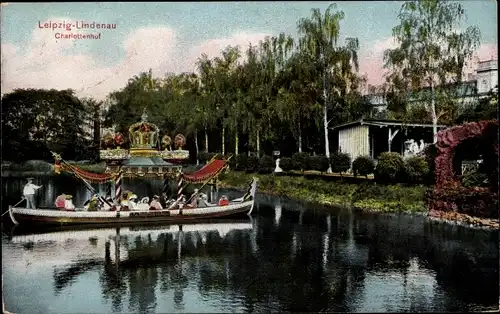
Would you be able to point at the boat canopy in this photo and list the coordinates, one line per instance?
(210, 170)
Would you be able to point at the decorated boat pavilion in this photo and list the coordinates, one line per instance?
(145, 157)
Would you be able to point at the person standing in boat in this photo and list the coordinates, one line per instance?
(29, 193)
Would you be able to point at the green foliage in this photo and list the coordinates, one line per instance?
(266, 164)
(363, 165)
(475, 178)
(341, 162)
(318, 163)
(252, 163)
(417, 169)
(390, 168)
(485, 109)
(241, 162)
(300, 161)
(286, 163)
(432, 50)
(36, 121)
(203, 157)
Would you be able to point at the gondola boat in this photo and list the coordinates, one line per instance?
(142, 159)
(237, 207)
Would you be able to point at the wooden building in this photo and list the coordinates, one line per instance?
(371, 137)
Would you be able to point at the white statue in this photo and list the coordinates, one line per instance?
(413, 147)
(408, 145)
(278, 169)
(422, 145)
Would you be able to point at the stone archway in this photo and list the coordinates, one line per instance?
(449, 194)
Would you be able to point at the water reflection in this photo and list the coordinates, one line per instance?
(328, 262)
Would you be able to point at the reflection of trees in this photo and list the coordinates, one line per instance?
(321, 265)
(112, 282)
(64, 278)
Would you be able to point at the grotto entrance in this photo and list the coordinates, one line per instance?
(449, 193)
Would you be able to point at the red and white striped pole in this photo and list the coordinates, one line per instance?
(118, 186)
(179, 191)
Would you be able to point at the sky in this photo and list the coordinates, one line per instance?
(170, 36)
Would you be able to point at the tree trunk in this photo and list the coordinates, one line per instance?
(325, 124)
(300, 138)
(206, 140)
(258, 143)
(223, 146)
(196, 146)
(433, 114)
(236, 143)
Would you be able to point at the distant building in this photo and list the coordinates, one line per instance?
(371, 137)
(478, 85)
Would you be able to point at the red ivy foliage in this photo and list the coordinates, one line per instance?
(449, 139)
(449, 194)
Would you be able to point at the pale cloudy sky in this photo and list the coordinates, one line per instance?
(169, 37)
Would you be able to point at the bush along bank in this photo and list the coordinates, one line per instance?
(365, 196)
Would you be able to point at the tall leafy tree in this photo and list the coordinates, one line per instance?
(36, 121)
(320, 38)
(432, 50)
(297, 98)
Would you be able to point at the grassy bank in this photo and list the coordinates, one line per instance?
(366, 196)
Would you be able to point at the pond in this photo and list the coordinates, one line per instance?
(286, 257)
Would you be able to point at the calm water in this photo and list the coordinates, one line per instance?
(285, 258)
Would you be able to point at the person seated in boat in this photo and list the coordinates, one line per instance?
(194, 199)
(203, 201)
(155, 203)
(223, 201)
(60, 201)
(132, 202)
(178, 203)
(68, 203)
(164, 199)
(92, 204)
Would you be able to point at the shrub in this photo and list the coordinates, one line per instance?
(430, 154)
(241, 162)
(266, 164)
(363, 165)
(300, 161)
(252, 164)
(341, 162)
(390, 168)
(319, 163)
(232, 162)
(417, 169)
(286, 163)
(204, 157)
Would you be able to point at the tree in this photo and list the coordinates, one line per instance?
(319, 38)
(36, 121)
(431, 52)
(297, 97)
(94, 109)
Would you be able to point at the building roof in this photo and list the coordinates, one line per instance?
(384, 123)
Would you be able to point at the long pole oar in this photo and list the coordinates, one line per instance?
(88, 185)
(14, 205)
